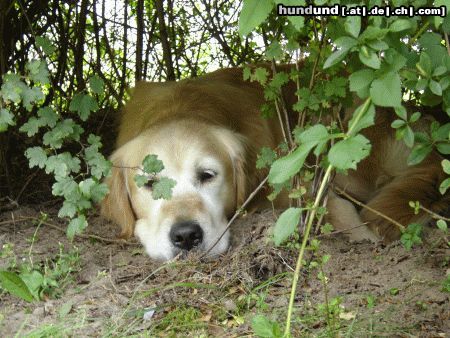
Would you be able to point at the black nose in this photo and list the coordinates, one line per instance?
(186, 235)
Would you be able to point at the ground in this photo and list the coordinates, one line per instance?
(96, 286)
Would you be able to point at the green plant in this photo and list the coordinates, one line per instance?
(383, 59)
(30, 281)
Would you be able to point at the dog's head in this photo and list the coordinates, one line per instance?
(207, 163)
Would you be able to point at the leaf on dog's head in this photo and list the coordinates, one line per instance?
(152, 164)
(140, 180)
(163, 188)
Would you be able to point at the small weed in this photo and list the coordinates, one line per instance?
(446, 284)
(45, 280)
(371, 301)
(182, 319)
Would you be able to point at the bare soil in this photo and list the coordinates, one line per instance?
(117, 291)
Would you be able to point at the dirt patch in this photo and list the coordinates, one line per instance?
(113, 289)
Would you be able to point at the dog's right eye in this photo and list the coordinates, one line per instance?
(206, 175)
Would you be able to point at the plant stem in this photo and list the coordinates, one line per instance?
(303, 247)
(310, 220)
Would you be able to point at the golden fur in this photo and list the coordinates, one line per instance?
(217, 116)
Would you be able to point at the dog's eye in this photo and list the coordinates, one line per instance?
(206, 175)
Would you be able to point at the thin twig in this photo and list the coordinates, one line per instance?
(237, 213)
(56, 227)
(341, 231)
(365, 206)
(433, 214)
(447, 44)
(283, 107)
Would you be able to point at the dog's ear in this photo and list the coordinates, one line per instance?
(116, 205)
(235, 145)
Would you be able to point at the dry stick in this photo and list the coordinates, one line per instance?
(341, 231)
(365, 206)
(54, 226)
(433, 214)
(237, 213)
(283, 107)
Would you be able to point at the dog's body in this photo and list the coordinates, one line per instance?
(207, 131)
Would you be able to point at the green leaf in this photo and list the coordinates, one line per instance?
(31, 127)
(83, 104)
(435, 88)
(297, 20)
(98, 164)
(400, 25)
(366, 120)
(99, 191)
(6, 119)
(30, 96)
(76, 226)
(46, 45)
(397, 124)
(353, 25)
(415, 117)
(419, 153)
(152, 165)
(12, 88)
(253, 13)
(12, 283)
(36, 157)
(141, 180)
(378, 45)
(38, 71)
(439, 71)
(401, 112)
(265, 328)
(346, 154)
(442, 225)
(346, 43)
(335, 58)
(369, 58)
(286, 167)
(424, 65)
(47, 117)
(97, 85)
(265, 158)
(386, 90)
(446, 166)
(64, 186)
(260, 75)
(163, 188)
(444, 186)
(68, 209)
(274, 51)
(408, 137)
(411, 235)
(315, 134)
(34, 281)
(55, 137)
(286, 224)
(361, 80)
(56, 165)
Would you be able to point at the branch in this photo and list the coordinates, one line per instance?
(167, 54)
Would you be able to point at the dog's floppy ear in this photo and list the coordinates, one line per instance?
(117, 205)
(235, 145)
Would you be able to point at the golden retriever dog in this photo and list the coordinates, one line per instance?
(208, 131)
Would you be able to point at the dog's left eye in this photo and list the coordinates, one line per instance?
(206, 175)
